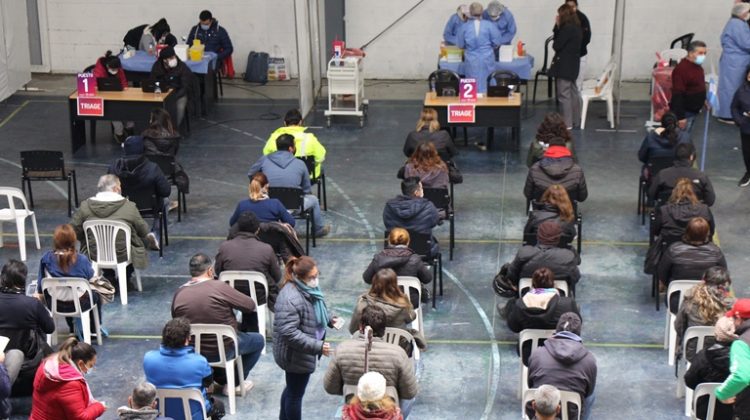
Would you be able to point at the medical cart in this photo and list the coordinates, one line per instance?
(346, 89)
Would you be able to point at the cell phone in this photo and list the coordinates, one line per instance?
(338, 322)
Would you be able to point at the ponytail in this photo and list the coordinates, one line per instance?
(669, 123)
(297, 268)
(255, 189)
(64, 240)
(72, 350)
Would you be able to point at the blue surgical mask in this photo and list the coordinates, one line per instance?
(205, 27)
(700, 59)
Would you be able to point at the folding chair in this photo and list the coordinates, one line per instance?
(566, 397)
(600, 89)
(150, 207)
(682, 41)
(700, 334)
(70, 289)
(395, 335)
(444, 82)
(441, 198)
(185, 396)
(703, 390)
(18, 215)
(168, 166)
(320, 181)
(251, 278)
(524, 285)
(421, 244)
(219, 332)
(104, 234)
(544, 71)
(409, 282)
(537, 338)
(670, 334)
(47, 165)
(294, 201)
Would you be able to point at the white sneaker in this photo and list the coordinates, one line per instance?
(246, 384)
(153, 243)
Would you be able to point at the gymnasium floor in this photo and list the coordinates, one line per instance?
(471, 370)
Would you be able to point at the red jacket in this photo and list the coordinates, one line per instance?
(100, 72)
(61, 393)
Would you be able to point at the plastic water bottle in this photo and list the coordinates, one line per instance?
(432, 86)
(157, 88)
(151, 49)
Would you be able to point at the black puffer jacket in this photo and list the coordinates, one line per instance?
(137, 173)
(563, 171)
(672, 219)
(683, 261)
(543, 212)
(411, 213)
(568, 40)
(520, 316)
(710, 365)
(441, 139)
(400, 259)
(562, 261)
(665, 181)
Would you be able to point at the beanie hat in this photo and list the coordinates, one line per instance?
(549, 233)
(571, 322)
(371, 387)
(133, 146)
(166, 52)
(724, 330)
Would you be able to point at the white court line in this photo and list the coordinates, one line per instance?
(360, 214)
(50, 183)
(355, 220)
(237, 130)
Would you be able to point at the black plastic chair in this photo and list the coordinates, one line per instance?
(150, 207)
(441, 198)
(168, 166)
(653, 167)
(683, 41)
(444, 82)
(544, 71)
(319, 181)
(500, 81)
(421, 244)
(46, 165)
(294, 201)
(89, 69)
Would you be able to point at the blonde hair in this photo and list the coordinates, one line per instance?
(399, 236)
(429, 118)
(255, 189)
(385, 404)
(683, 191)
(709, 307)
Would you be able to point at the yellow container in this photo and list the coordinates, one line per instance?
(196, 51)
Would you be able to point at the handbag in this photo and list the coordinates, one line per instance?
(103, 287)
(653, 255)
(502, 285)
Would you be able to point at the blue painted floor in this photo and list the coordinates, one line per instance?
(471, 370)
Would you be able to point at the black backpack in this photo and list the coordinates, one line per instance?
(257, 67)
(133, 37)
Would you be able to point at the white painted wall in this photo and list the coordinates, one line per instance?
(81, 31)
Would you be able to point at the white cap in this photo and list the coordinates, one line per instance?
(371, 387)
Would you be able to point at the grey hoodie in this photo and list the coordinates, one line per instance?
(283, 170)
(564, 362)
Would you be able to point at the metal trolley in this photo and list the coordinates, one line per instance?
(346, 89)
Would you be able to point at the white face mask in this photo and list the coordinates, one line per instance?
(172, 62)
(205, 27)
(113, 72)
(313, 282)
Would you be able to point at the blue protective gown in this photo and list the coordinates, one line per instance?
(735, 58)
(506, 25)
(450, 33)
(479, 51)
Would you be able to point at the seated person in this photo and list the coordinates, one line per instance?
(661, 142)
(141, 405)
(428, 130)
(205, 300)
(690, 257)
(25, 322)
(371, 400)
(426, 165)
(672, 218)
(108, 203)
(245, 252)
(174, 74)
(557, 166)
(397, 307)
(556, 206)
(214, 37)
(452, 27)
(552, 126)
(563, 262)
(151, 36)
(176, 366)
(541, 307)
(712, 365)
(666, 179)
(266, 209)
(161, 139)
(546, 403)
(109, 67)
(282, 169)
(412, 211)
(498, 14)
(401, 259)
(390, 360)
(704, 304)
(305, 144)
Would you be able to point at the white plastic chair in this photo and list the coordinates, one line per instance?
(704, 389)
(219, 332)
(250, 277)
(409, 282)
(600, 89)
(566, 397)
(18, 215)
(394, 336)
(535, 336)
(185, 395)
(693, 333)
(670, 334)
(105, 236)
(525, 284)
(71, 289)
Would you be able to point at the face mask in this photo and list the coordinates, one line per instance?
(205, 27)
(700, 59)
(172, 63)
(313, 283)
(113, 72)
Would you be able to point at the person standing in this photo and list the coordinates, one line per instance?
(501, 16)
(478, 38)
(741, 116)
(214, 37)
(565, 67)
(586, 29)
(689, 86)
(450, 33)
(735, 57)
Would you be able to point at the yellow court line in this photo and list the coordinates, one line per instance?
(13, 114)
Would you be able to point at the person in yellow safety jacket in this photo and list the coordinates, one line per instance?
(306, 144)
